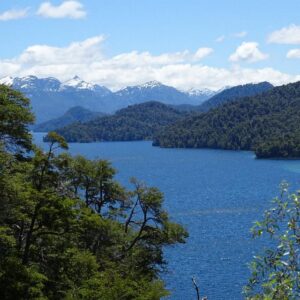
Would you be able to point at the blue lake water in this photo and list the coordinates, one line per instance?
(215, 194)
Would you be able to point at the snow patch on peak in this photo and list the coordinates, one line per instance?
(151, 84)
(8, 80)
(77, 83)
(200, 92)
(28, 78)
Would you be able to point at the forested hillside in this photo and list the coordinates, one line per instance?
(73, 115)
(234, 93)
(68, 229)
(268, 123)
(137, 122)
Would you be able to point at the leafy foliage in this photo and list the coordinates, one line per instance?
(137, 122)
(269, 124)
(15, 117)
(68, 230)
(275, 274)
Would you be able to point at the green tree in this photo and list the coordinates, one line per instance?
(69, 230)
(276, 273)
(15, 116)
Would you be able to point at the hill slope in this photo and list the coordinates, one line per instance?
(74, 114)
(136, 122)
(234, 93)
(269, 124)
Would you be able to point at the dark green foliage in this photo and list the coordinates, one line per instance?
(74, 114)
(285, 146)
(275, 273)
(268, 124)
(15, 117)
(137, 122)
(69, 230)
(234, 93)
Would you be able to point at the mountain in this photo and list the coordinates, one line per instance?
(77, 84)
(268, 123)
(233, 93)
(74, 114)
(156, 91)
(50, 97)
(136, 122)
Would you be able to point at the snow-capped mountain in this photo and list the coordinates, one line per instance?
(154, 90)
(76, 83)
(52, 84)
(30, 84)
(51, 98)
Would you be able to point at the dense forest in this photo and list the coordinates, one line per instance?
(227, 95)
(136, 122)
(73, 115)
(234, 93)
(268, 123)
(68, 229)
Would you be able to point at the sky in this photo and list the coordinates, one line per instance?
(183, 43)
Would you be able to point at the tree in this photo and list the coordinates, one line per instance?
(15, 116)
(69, 230)
(276, 274)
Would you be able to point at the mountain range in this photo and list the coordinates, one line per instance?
(50, 98)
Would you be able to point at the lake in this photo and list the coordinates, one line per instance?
(215, 194)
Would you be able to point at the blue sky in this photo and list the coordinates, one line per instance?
(191, 43)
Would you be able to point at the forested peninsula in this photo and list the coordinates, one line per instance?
(268, 124)
(134, 123)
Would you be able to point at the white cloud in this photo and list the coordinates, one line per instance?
(86, 59)
(203, 52)
(286, 35)
(240, 34)
(145, 59)
(83, 52)
(68, 9)
(293, 53)
(248, 52)
(220, 39)
(14, 14)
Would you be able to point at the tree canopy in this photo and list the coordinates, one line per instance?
(69, 230)
(15, 117)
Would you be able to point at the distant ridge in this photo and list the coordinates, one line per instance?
(73, 115)
(233, 93)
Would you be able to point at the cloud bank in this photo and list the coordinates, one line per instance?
(182, 69)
